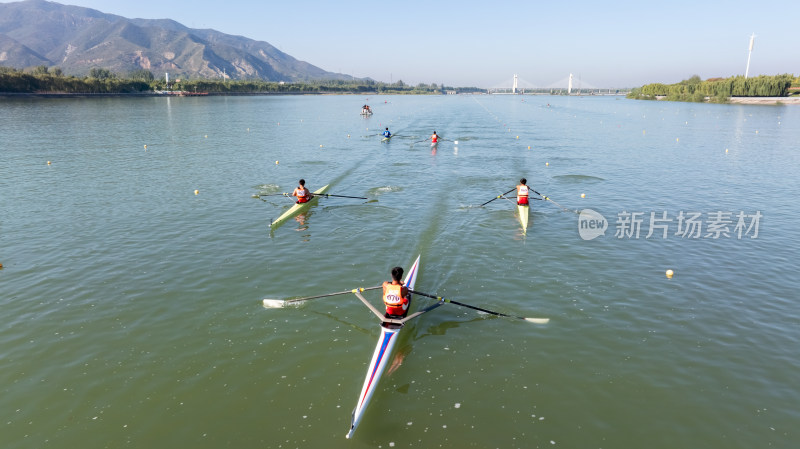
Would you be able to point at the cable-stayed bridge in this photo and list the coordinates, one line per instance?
(570, 85)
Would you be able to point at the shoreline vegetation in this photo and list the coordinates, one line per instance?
(777, 89)
(48, 81)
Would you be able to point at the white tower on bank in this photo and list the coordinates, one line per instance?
(569, 86)
(749, 53)
(514, 89)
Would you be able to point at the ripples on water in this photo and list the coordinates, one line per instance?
(132, 305)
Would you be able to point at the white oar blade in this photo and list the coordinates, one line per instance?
(274, 303)
(538, 320)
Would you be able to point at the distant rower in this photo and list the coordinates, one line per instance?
(387, 134)
(301, 192)
(522, 192)
(434, 138)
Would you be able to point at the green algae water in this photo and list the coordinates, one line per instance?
(136, 250)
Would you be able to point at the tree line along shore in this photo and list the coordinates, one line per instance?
(46, 80)
(724, 90)
(43, 80)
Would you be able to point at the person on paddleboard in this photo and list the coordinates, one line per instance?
(522, 192)
(434, 138)
(387, 134)
(301, 192)
(395, 295)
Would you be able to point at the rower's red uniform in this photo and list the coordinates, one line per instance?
(302, 193)
(395, 297)
(301, 196)
(522, 195)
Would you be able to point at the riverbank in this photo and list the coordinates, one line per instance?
(156, 94)
(765, 100)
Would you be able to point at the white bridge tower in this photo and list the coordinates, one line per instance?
(569, 86)
(514, 88)
(750, 53)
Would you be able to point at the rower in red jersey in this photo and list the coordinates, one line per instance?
(395, 295)
(302, 193)
(522, 192)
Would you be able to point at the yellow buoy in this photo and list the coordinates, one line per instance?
(644, 132)
(196, 191)
(1, 265)
(348, 136)
(676, 139)
(517, 137)
(547, 164)
(726, 150)
(248, 129)
(320, 146)
(529, 147)
(669, 274)
(145, 147)
(756, 131)
(583, 195)
(206, 136)
(48, 162)
(276, 162)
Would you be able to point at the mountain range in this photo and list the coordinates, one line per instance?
(77, 39)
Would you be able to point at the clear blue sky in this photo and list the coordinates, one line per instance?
(479, 43)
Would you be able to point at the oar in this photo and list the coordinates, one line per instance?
(340, 196)
(275, 194)
(498, 197)
(547, 198)
(439, 298)
(279, 303)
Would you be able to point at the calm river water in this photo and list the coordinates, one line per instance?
(134, 235)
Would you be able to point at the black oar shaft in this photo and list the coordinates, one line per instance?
(342, 196)
(480, 309)
(441, 299)
(498, 196)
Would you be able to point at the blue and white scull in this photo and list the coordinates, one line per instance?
(390, 328)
